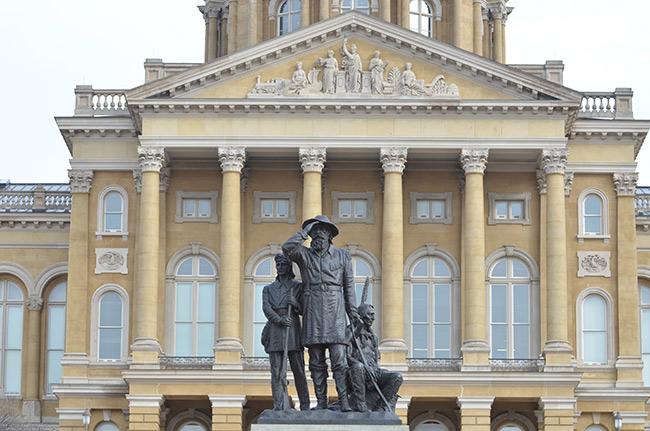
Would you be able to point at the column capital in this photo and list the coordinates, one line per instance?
(227, 401)
(145, 400)
(165, 174)
(625, 183)
(151, 158)
(393, 159)
(568, 183)
(498, 10)
(475, 403)
(232, 158)
(81, 181)
(474, 160)
(553, 403)
(312, 159)
(34, 303)
(137, 180)
(554, 161)
(212, 9)
(541, 181)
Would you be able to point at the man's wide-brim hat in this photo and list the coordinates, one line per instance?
(322, 219)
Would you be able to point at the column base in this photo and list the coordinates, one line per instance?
(32, 410)
(393, 351)
(228, 350)
(629, 372)
(475, 355)
(558, 356)
(145, 351)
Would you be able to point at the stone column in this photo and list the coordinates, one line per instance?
(557, 349)
(312, 161)
(541, 188)
(146, 346)
(165, 175)
(227, 412)
(324, 10)
(628, 364)
(232, 26)
(228, 348)
(405, 17)
(384, 10)
(144, 411)
(498, 11)
(478, 27)
(402, 408)
(76, 347)
(31, 404)
(557, 413)
(475, 413)
(457, 23)
(393, 347)
(475, 347)
(211, 13)
(487, 36)
(305, 13)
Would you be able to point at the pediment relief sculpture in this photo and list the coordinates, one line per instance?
(353, 81)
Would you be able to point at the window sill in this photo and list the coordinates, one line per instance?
(108, 364)
(211, 220)
(493, 221)
(287, 220)
(353, 220)
(101, 235)
(605, 238)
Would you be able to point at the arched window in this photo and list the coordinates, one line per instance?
(510, 309)
(431, 309)
(110, 324)
(593, 215)
(288, 16)
(107, 426)
(195, 307)
(595, 336)
(192, 426)
(421, 17)
(11, 331)
(56, 305)
(432, 421)
(644, 294)
(358, 5)
(596, 428)
(263, 274)
(112, 214)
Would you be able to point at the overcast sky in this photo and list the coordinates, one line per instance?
(49, 47)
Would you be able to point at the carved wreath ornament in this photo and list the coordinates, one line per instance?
(111, 261)
(352, 81)
(593, 263)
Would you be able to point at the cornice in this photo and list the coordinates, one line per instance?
(106, 128)
(607, 129)
(105, 164)
(600, 167)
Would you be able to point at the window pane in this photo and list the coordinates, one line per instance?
(592, 225)
(264, 268)
(259, 313)
(113, 203)
(413, 5)
(420, 303)
(519, 269)
(188, 207)
(14, 294)
(502, 209)
(499, 303)
(345, 209)
(645, 329)
(521, 303)
(358, 289)
(295, 5)
(110, 343)
(267, 208)
(107, 426)
(53, 368)
(420, 337)
(442, 303)
(438, 209)
(516, 210)
(284, 25)
(424, 25)
(283, 208)
(205, 268)
(56, 327)
(645, 295)
(499, 342)
(592, 205)
(110, 310)
(361, 269)
(295, 21)
(443, 337)
(113, 222)
(595, 347)
(204, 208)
(284, 7)
(362, 4)
(58, 293)
(14, 327)
(183, 302)
(499, 269)
(185, 268)
(440, 269)
(206, 302)
(360, 209)
(646, 370)
(205, 339)
(12, 372)
(423, 206)
(421, 268)
(594, 313)
(521, 343)
(183, 343)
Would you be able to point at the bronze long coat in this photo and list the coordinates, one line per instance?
(328, 291)
(275, 304)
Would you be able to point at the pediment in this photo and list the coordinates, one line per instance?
(440, 71)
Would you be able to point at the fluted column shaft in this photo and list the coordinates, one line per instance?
(146, 346)
(393, 346)
(475, 348)
(228, 347)
(312, 161)
(77, 293)
(34, 305)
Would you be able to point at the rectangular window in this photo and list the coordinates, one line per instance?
(279, 207)
(275, 208)
(431, 208)
(196, 207)
(353, 207)
(509, 208)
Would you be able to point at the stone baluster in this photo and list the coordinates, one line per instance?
(312, 161)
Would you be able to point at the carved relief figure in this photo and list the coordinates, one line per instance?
(297, 82)
(330, 66)
(410, 85)
(352, 65)
(377, 67)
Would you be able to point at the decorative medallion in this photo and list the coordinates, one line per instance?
(111, 260)
(593, 263)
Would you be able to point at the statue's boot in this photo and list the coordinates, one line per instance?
(319, 378)
(342, 390)
(357, 388)
(303, 393)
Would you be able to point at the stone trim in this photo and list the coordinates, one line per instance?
(232, 158)
(474, 160)
(446, 197)
(554, 161)
(510, 197)
(625, 183)
(258, 196)
(312, 159)
(151, 158)
(81, 181)
(369, 197)
(34, 303)
(211, 195)
(475, 403)
(393, 159)
(227, 401)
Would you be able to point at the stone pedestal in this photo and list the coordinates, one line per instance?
(323, 427)
(328, 420)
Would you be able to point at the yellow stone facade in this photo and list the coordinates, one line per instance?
(498, 219)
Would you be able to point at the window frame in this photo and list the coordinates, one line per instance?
(50, 304)
(182, 196)
(5, 303)
(644, 284)
(609, 327)
(416, 197)
(259, 196)
(420, 15)
(604, 215)
(354, 6)
(368, 196)
(94, 333)
(288, 15)
(101, 213)
(494, 198)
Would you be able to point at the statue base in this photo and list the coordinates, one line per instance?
(328, 420)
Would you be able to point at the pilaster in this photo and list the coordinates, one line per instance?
(312, 161)
(144, 411)
(393, 347)
(227, 412)
(557, 349)
(557, 413)
(228, 348)
(475, 347)
(628, 364)
(146, 347)
(31, 404)
(475, 413)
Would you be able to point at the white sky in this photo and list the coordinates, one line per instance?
(49, 47)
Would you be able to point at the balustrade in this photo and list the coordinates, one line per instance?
(186, 362)
(36, 198)
(91, 102)
(599, 104)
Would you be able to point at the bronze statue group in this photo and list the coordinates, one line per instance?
(323, 299)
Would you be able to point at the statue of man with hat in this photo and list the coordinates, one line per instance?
(328, 294)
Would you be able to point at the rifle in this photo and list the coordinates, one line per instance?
(363, 356)
(285, 356)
